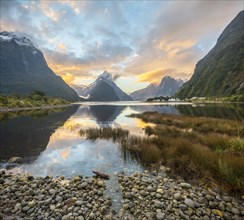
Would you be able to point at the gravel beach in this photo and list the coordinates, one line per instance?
(145, 196)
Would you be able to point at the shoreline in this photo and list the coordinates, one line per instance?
(34, 108)
(3, 109)
(145, 196)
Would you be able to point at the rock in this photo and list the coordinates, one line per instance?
(100, 183)
(78, 202)
(1, 181)
(32, 204)
(52, 191)
(177, 196)
(183, 207)
(77, 179)
(235, 211)
(160, 216)
(202, 200)
(160, 191)
(126, 206)
(217, 212)
(185, 185)
(52, 207)
(121, 213)
(30, 192)
(208, 197)
(212, 204)
(104, 210)
(150, 189)
(189, 203)
(15, 160)
(66, 217)
(128, 195)
(58, 198)
(227, 198)
(158, 204)
(84, 185)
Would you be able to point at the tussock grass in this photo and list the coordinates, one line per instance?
(208, 150)
(116, 134)
(198, 124)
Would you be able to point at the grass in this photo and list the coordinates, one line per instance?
(209, 151)
(198, 124)
(35, 99)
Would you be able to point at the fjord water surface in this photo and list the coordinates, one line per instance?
(50, 143)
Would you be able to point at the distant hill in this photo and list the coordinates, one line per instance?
(167, 87)
(103, 89)
(221, 71)
(24, 70)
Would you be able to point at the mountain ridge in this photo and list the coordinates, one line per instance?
(103, 89)
(167, 87)
(25, 70)
(220, 72)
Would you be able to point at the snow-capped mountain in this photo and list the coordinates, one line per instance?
(24, 69)
(19, 39)
(167, 87)
(103, 89)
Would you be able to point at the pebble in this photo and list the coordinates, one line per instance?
(145, 196)
(52, 198)
(84, 185)
(160, 216)
(177, 196)
(185, 185)
(164, 198)
(189, 203)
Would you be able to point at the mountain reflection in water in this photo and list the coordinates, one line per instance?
(51, 144)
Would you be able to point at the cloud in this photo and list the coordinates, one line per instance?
(158, 74)
(142, 40)
(68, 78)
(182, 33)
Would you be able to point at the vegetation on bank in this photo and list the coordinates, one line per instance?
(35, 99)
(210, 151)
(162, 99)
(234, 98)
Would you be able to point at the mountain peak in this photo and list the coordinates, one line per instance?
(153, 84)
(105, 75)
(18, 38)
(167, 87)
(21, 61)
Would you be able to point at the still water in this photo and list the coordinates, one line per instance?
(50, 143)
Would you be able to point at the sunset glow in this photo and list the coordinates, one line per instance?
(140, 42)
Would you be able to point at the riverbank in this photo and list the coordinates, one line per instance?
(35, 100)
(33, 108)
(146, 196)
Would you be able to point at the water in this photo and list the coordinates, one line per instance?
(50, 142)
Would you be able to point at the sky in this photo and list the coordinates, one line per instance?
(139, 42)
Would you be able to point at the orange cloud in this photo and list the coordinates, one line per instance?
(68, 78)
(62, 47)
(157, 74)
(47, 9)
